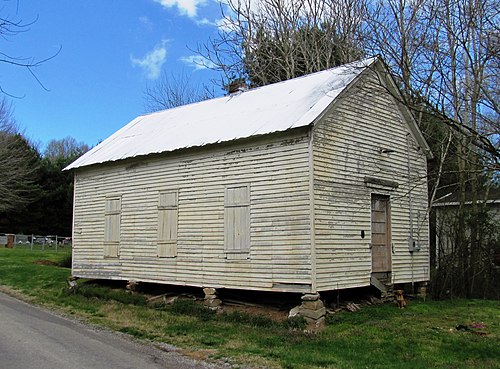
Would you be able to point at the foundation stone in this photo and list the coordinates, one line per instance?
(422, 290)
(211, 300)
(313, 311)
(132, 286)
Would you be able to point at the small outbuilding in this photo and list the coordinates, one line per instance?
(312, 184)
(447, 212)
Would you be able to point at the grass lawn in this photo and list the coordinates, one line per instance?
(422, 336)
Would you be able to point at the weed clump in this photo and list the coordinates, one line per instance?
(136, 333)
(66, 261)
(249, 319)
(197, 310)
(105, 293)
(191, 308)
(296, 323)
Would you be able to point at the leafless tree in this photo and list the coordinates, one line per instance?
(268, 41)
(64, 148)
(446, 56)
(172, 91)
(18, 162)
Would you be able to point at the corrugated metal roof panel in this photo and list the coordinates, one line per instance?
(273, 108)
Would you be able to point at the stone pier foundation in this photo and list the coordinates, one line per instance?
(132, 286)
(422, 290)
(313, 311)
(211, 300)
(72, 284)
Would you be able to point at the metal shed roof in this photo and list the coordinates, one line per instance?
(274, 108)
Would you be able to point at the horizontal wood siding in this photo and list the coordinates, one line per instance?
(276, 173)
(346, 150)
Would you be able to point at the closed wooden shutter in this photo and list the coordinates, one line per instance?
(112, 219)
(167, 224)
(237, 219)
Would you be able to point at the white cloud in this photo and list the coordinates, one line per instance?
(186, 7)
(146, 22)
(197, 62)
(205, 22)
(152, 62)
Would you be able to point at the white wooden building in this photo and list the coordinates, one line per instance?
(308, 185)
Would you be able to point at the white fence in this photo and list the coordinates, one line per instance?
(36, 242)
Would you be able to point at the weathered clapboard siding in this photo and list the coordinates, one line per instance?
(346, 149)
(310, 190)
(275, 168)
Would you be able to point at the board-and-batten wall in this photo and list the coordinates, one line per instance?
(274, 168)
(347, 150)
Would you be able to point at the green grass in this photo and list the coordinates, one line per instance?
(382, 336)
(18, 270)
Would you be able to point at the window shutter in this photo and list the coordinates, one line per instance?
(112, 219)
(237, 219)
(167, 224)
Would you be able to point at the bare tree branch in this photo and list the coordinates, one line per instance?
(172, 91)
(273, 40)
(10, 27)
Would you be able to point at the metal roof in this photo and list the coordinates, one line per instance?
(273, 108)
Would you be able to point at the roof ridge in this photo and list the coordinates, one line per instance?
(362, 64)
(272, 108)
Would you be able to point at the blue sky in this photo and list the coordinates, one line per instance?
(111, 49)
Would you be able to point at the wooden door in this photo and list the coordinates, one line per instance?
(381, 234)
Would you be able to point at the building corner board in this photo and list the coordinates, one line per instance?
(311, 211)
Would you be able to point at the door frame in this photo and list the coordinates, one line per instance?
(387, 199)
